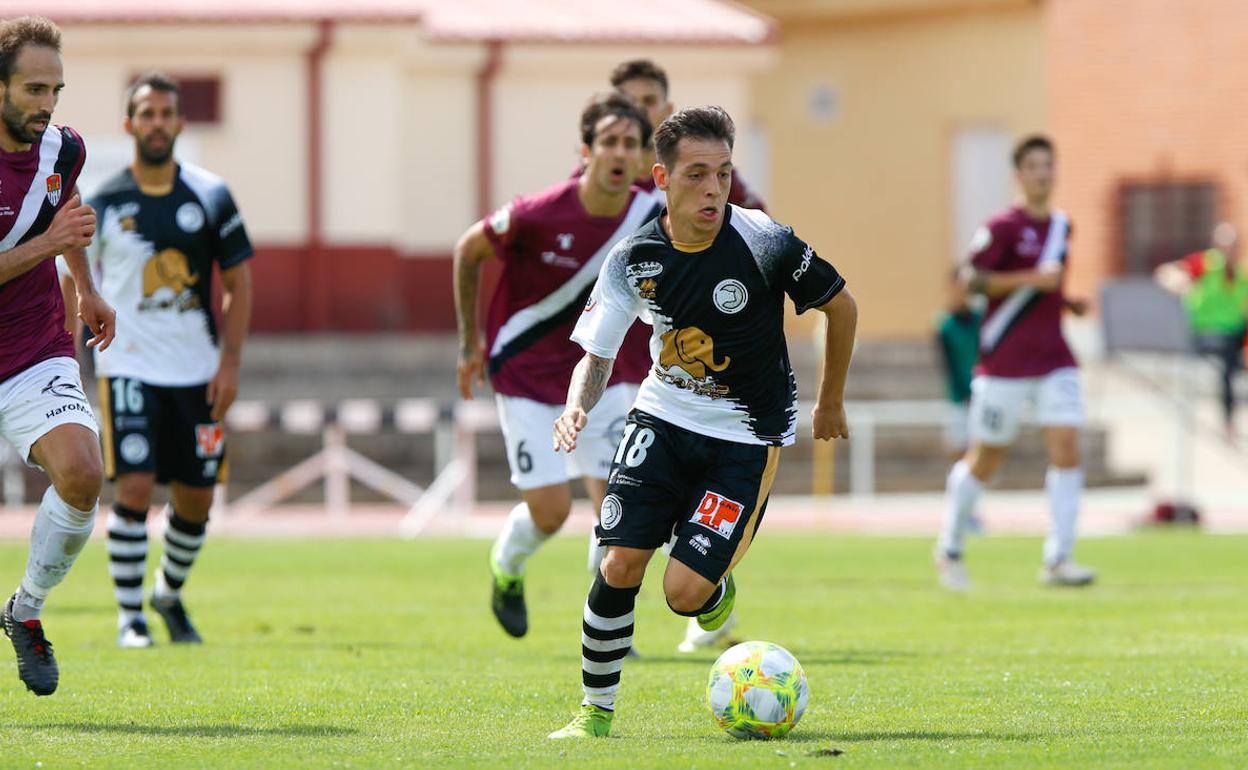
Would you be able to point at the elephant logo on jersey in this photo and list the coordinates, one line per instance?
(168, 269)
(691, 349)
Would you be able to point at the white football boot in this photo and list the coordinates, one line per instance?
(1067, 573)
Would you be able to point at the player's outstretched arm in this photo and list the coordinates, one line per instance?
(828, 416)
(589, 380)
(236, 301)
(472, 249)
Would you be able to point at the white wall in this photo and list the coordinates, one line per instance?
(259, 148)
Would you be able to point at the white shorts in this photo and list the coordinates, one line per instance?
(999, 403)
(39, 399)
(528, 428)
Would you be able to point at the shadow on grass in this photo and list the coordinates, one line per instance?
(218, 730)
(808, 658)
(801, 736)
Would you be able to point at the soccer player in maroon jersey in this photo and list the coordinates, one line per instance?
(1018, 260)
(551, 245)
(43, 409)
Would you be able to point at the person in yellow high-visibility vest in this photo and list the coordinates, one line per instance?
(1215, 293)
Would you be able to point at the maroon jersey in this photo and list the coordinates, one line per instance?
(33, 185)
(551, 251)
(1021, 335)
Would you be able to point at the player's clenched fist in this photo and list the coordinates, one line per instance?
(570, 423)
(72, 227)
(830, 423)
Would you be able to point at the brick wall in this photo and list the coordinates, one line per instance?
(1141, 91)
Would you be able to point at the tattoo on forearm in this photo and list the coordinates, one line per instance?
(589, 380)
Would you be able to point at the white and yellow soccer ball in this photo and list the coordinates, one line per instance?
(757, 690)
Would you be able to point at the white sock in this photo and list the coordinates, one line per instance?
(962, 491)
(59, 533)
(596, 553)
(1065, 486)
(519, 540)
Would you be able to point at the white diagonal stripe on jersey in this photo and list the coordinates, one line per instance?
(49, 151)
(609, 667)
(606, 624)
(995, 327)
(525, 319)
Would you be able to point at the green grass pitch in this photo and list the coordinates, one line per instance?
(365, 654)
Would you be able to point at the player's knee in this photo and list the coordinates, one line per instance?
(620, 570)
(79, 485)
(983, 461)
(686, 598)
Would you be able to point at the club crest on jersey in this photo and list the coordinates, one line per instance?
(54, 189)
(209, 439)
(647, 288)
(644, 270)
(718, 514)
(730, 296)
(190, 217)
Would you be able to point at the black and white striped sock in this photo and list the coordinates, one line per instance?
(127, 559)
(183, 540)
(606, 636)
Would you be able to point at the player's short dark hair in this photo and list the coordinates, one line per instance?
(23, 31)
(638, 69)
(156, 81)
(1029, 143)
(692, 123)
(612, 103)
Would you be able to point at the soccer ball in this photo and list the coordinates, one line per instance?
(757, 690)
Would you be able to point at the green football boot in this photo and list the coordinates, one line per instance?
(592, 722)
(712, 620)
(507, 602)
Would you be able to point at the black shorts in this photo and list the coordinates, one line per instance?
(709, 492)
(161, 430)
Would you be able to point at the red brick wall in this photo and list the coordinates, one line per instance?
(351, 288)
(1144, 90)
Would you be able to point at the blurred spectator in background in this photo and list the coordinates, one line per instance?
(957, 341)
(1215, 292)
